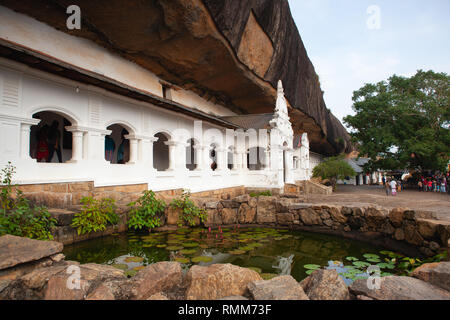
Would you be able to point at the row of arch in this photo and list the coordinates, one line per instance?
(50, 141)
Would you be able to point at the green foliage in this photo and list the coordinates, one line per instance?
(334, 169)
(404, 122)
(263, 193)
(17, 216)
(189, 211)
(95, 215)
(145, 212)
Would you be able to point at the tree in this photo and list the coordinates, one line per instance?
(334, 169)
(403, 123)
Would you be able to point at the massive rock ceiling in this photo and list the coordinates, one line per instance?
(230, 52)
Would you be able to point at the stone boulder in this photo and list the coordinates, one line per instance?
(17, 250)
(309, 217)
(61, 286)
(246, 214)
(173, 215)
(285, 219)
(427, 228)
(229, 216)
(437, 274)
(279, 288)
(155, 278)
(400, 288)
(336, 215)
(396, 216)
(325, 285)
(218, 281)
(158, 296)
(375, 217)
(266, 210)
(213, 218)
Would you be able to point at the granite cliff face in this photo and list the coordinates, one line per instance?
(230, 52)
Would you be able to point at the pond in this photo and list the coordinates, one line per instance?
(268, 251)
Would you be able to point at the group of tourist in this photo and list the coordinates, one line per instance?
(392, 186)
(435, 183)
(123, 152)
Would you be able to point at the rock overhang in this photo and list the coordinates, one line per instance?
(206, 46)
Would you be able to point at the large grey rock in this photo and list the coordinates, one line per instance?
(218, 281)
(279, 288)
(309, 217)
(437, 274)
(17, 250)
(325, 285)
(266, 210)
(400, 288)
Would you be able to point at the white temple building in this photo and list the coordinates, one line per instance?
(171, 138)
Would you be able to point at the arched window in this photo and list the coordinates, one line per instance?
(161, 152)
(117, 147)
(49, 140)
(191, 161)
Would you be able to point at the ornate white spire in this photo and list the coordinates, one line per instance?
(281, 106)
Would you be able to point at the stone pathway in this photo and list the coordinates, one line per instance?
(376, 195)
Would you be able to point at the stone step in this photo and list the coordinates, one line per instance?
(63, 217)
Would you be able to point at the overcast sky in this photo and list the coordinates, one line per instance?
(347, 53)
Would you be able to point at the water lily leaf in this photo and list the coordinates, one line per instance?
(202, 259)
(361, 264)
(183, 260)
(174, 248)
(237, 252)
(373, 260)
(161, 245)
(386, 274)
(188, 251)
(134, 259)
(190, 244)
(311, 266)
(139, 268)
(384, 265)
(352, 259)
(308, 272)
(130, 273)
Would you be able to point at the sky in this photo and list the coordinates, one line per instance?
(353, 42)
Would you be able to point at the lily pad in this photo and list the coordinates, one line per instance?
(237, 252)
(311, 266)
(134, 259)
(183, 260)
(161, 245)
(190, 244)
(174, 248)
(308, 272)
(384, 265)
(371, 256)
(188, 251)
(139, 268)
(246, 248)
(202, 259)
(361, 264)
(351, 259)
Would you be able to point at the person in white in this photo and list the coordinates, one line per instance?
(393, 184)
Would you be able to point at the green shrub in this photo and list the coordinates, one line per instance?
(264, 193)
(17, 216)
(145, 212)
(189, 211)
(95, 215)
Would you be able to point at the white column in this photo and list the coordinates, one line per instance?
(222, 156)
(25, 141)
(206, 159)
(244, 160)
(172, 149)
(198, 158)
(133, 151)
(146, 151)
(77, 146)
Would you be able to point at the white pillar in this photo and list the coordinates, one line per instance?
(222, 156)
(25, 141)
(244, 154)
(77, 146)
(206, 159)
(133, 151)
(172, 150)
(198, 158)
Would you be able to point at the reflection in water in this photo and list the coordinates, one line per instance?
(268, 250)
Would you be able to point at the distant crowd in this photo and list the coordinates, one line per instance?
(392, 186)
(436, 183)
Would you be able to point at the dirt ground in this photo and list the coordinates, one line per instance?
(376, 195)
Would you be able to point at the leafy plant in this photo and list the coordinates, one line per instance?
(334, 169)
(17, 216)
(95, 215)
(189, 211)
(144, 212)
(263, 193)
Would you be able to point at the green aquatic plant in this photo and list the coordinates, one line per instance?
(95, 215)
(268, 276)
(174, 248)
(134, 259)
(183, 260)
(130, 273)
(188, 251)
(189, 211)
(190, 244)
(258, 270)
(146, 212)
(237, 252)
(121, 266)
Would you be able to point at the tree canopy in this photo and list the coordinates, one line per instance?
(403, 123)
(334, 169)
